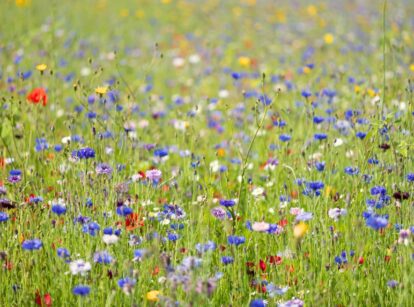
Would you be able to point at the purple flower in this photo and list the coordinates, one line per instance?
(392, 283)
(304, 216)
(219, 213)
(153, 174)
(292, 303)
(14, 178)
(103, 169)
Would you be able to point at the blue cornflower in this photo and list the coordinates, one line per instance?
(32, 244)
(264, 99)
(315, 185)
(236, 240)
(410, 177)
(140, 253)
(81, 219)
(58, 148)
(177, 226)
(202, 248)
(41, 144)
(91, 115)
(102, 257)
(63, 252)
(91, 228)
(361, 135)
(351, 170)
(88, 202)
(126, 282)
(285, 137)
(378, 190)
(81, 290)
(124, 210)
(161, 152)
(236, 75)
(318, 119)
(3, 216)
(108, 231)
(227, 203)
(373, 161)
(173, 237)
(306, 93)
(258, 303)
(320, 136)
(58, 209)
(320, 166)
(227, 260)
(15, 172)
(84, 153)
(376, 221)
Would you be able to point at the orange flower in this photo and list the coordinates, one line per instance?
(133, 221)
(36, 95)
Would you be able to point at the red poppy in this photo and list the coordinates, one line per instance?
(275, 259)
(45, 301)
(133, 221)
(262, 265)
(36, 95)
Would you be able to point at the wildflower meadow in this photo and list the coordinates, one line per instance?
(206, 153)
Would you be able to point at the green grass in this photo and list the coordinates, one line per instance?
(134, 44)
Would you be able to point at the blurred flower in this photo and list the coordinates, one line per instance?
(152, 295)
(127, 284)
(300, 230)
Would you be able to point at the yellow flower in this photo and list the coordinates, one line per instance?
(412, 67)
(124, 13)
(312, 10)
(328, 38)
(306, 69)
(101, 90)
(300, 230)
(280, 16)
(371, 92)
(244, 61)
(41, 67)
(23, 3)
(139, 14)
(152, 295)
